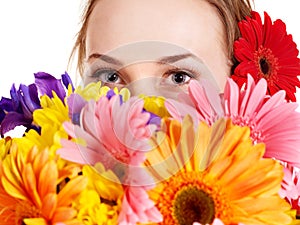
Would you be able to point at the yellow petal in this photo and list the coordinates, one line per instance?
(11, 173)
(125, 94)
(14, 191)
(35, 221)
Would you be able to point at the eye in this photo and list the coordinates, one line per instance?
(178, 77)
(109, 76)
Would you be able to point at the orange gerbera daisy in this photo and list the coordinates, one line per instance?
(31, 190)
(212, 173)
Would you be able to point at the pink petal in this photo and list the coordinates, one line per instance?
(138, 208)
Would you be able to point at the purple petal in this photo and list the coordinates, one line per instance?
(6, 104)
(75, 103)
(110, 94)
(154, 119)
(75, 118)
(34, 97)
(12, 120)
(29, 99)
(15, 99)
(2, 115)
(46, 83)
(66, 79)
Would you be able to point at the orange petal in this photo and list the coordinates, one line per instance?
(32, 154)
(49, 205)
(63, 214)
(7, 201)
(31, 185)
(71, 190)
(70, 170)
(47, 180)
(40, 161)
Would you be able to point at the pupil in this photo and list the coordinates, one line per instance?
(113, 77)
(264, 66)
(179, 78)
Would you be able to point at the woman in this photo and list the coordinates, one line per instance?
(121, 42)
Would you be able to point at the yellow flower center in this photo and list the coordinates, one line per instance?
(26, 210)
(192, 196)
(193, 205)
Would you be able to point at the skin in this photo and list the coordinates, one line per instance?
(139, 40)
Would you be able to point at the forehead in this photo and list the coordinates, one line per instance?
(192, 24)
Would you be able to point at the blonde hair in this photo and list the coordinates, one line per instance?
(230, 11)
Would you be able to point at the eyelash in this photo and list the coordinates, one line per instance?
(102, 69)
(190, 72)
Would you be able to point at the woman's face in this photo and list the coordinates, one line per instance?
(139, 42)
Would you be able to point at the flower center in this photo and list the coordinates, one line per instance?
(191, 196)
(193, 205)
(26, 210)
(257, 134)
(267, 64)
(264, 66)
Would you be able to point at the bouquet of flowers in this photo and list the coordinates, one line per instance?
(96, 155)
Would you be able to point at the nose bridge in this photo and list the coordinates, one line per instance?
(142, 77)
(153, 86)
(147, 85)
(147, 78)
(140, 70)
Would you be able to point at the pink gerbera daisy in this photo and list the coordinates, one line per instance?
(116, 133)
(102, 127)
(267, 51)
(291, 187)
(272, 120)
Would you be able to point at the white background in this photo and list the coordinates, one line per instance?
(38, 35)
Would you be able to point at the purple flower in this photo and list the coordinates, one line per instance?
(46, 83)
(18, 110)
(66, 79)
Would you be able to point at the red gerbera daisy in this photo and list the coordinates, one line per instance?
(267, 51)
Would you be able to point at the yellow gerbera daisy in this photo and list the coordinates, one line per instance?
(214, 172)
(5, 144)
(101, 202)
(31, 190)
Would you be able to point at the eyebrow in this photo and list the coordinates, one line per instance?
(174, 58)
(163, 60)
(105, 58)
